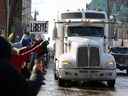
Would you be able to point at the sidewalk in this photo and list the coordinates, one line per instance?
(50, 84)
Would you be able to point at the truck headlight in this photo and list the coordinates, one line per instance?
(110, 62)
(65, 62)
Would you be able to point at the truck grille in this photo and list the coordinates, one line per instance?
(88, 57)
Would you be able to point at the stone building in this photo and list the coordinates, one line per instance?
(15, 20)
(20, 12)
(26, 13)
(19, 16)
(3, 16)
(118, 8)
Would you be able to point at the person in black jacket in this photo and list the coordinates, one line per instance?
(46, 52)
(12, 83)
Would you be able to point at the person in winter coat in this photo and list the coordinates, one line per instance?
(26, 39)
(11, 81)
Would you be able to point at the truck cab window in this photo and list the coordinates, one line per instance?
(85, 31)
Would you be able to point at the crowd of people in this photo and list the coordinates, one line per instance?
(12, 81)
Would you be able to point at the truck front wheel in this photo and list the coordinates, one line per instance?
(61, 82)
(127, 71)
(55, 76)
(111, 83)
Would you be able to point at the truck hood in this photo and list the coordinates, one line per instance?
(87, 41)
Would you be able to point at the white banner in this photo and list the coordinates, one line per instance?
(39, 26)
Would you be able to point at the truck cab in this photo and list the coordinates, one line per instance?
(81, 48)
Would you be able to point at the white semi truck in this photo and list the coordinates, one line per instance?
(81, 48)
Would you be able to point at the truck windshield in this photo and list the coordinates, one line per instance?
(92, 15)
(85, 31)
(77, 15)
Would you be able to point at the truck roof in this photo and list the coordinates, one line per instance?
(88, 14)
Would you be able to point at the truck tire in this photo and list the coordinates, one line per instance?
(127, 71)
(111, 83)
(55, 76)
(61, 82)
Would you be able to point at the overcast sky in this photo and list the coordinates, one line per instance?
(48, 8)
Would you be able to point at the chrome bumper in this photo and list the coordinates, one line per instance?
(86, 74)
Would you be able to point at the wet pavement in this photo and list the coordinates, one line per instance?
(51, 87)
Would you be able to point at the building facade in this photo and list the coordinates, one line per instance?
(26, 14)
(20, 12)
(19, 16)
(15, 19)
(3, 16)
(118, 8)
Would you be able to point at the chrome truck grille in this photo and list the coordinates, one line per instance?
(88, 57)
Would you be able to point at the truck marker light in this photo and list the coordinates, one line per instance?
(110, 62)
(65, 62)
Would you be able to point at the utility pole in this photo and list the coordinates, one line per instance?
(8, 15)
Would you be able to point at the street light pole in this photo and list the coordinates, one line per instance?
(108, 8)
(110, 34)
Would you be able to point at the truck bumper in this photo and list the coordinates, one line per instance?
(87, 74)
